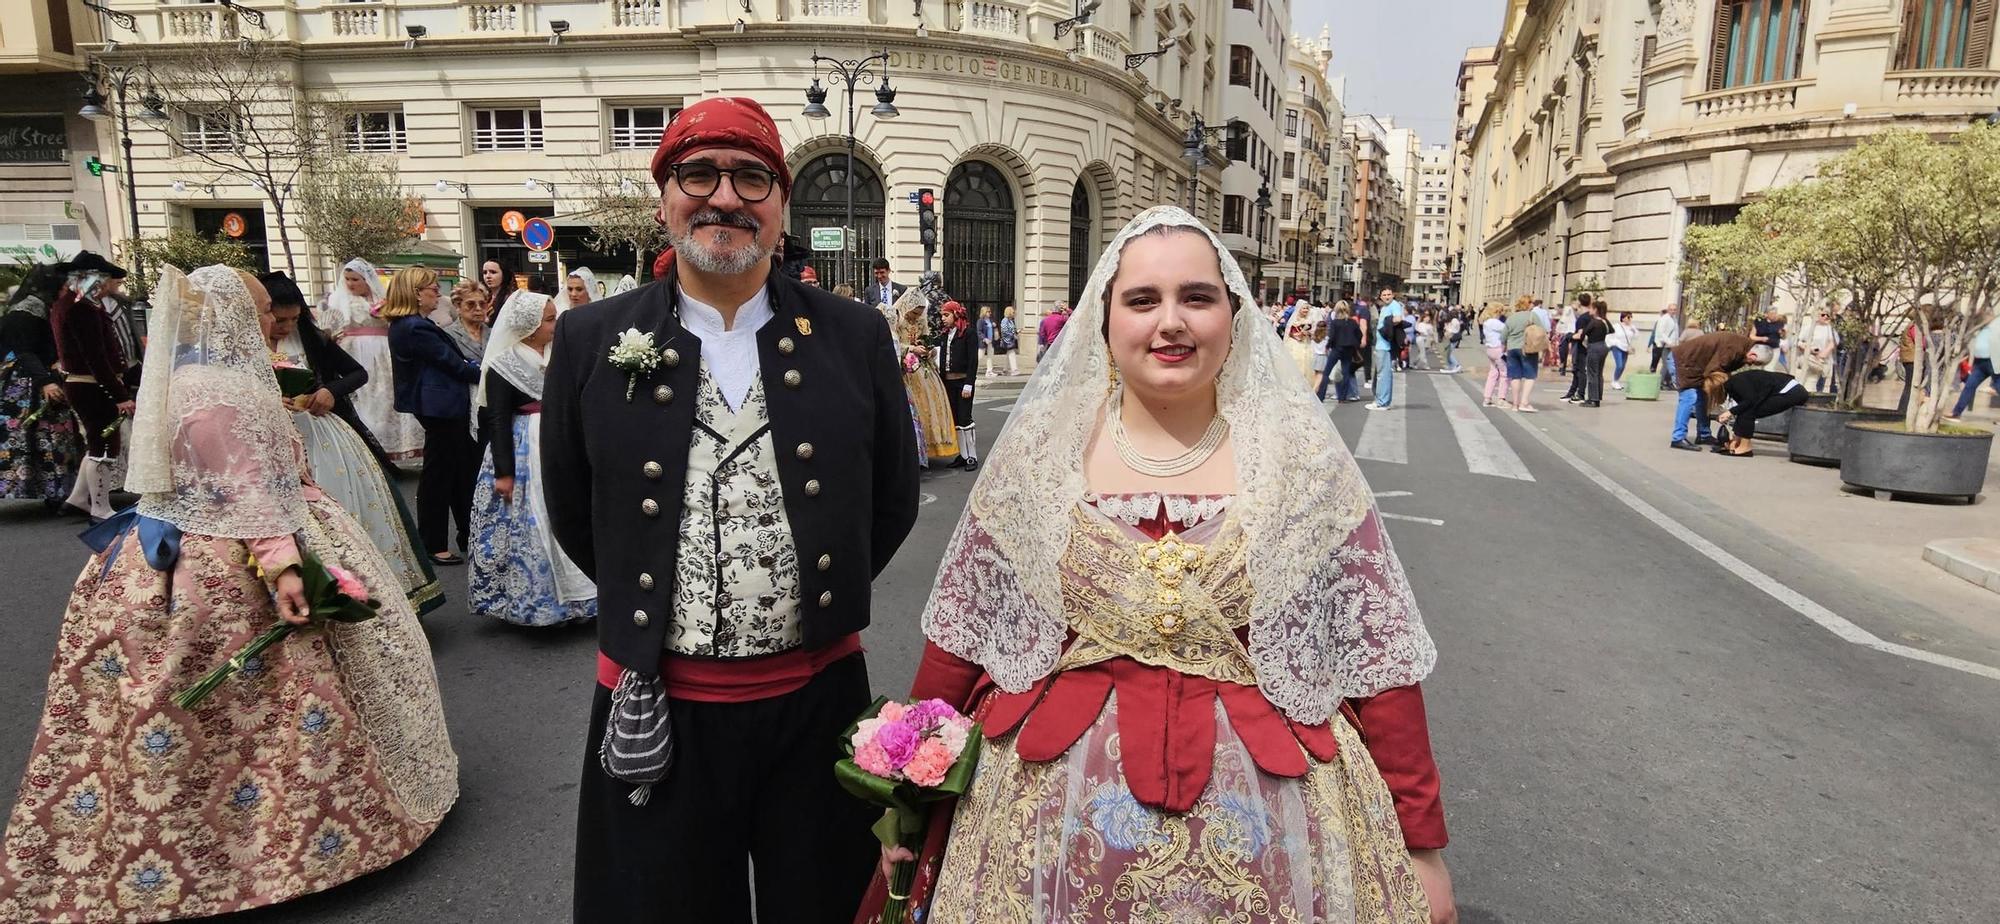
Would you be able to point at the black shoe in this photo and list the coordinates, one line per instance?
(972, 465)
(958, 462)
(1707, 441)
(1684, 444)
(1593, 404)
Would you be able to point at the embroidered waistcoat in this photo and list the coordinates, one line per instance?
(737, 579)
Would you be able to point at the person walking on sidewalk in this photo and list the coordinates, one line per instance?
(1983, 344)
(1493, 339)
(1694, 359)
(1050, 328)
(1454, 331)
(1757, 394)
(1666, 335)
(1389, 341)
(1525, 338)
(1592, 330)
(1770, 331)
(1620, 342)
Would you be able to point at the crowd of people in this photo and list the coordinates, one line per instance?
(712, 468)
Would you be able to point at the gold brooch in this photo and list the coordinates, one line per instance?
(805, 326)
(1170, 560)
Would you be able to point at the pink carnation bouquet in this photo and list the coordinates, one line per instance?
(904, 756)
(333, 594)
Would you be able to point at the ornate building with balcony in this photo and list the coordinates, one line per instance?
(1038, 134)
(1430, 221)
(1379, 242)
(1255, 31)
(50, 205)
(1613, 125)
(1475, 82)
(1309, 244)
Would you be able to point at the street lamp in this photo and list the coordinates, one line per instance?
(121, 78)
(1305, 240)
(851, 73)
(1263, 206)
(1318, 242)
(1194, 149)
(1082, 16)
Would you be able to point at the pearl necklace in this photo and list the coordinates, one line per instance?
(1193, 458)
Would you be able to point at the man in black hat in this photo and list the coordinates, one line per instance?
(96, 352)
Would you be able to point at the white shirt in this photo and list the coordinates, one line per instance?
(729, 351)
(1667, 331)
(1494, 332)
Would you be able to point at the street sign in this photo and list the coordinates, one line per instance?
(511, 221)
(538, 256)
(827, 240)
(538, 235)
(916, 197)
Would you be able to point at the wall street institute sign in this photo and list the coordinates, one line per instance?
(33, 139)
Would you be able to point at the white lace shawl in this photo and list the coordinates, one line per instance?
(342, 309)
(1332, 615)
(506, 356)
(213, 447)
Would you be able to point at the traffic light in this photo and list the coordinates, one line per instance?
(927, 220)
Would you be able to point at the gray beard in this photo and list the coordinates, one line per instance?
(711, 259)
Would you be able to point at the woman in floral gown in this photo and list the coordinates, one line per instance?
(322, 760)
(937, 433)
(40, 443)
(519, 574)
(1173, 607)
(352, 314)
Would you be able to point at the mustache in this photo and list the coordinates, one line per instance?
(714, 216)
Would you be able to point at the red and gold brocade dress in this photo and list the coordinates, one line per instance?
(1149, 779)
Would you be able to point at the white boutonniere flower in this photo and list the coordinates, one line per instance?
(635, 355)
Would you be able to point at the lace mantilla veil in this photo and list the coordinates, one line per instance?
(506, 355)
(1331, 616)
(212, 443)
(342, 309)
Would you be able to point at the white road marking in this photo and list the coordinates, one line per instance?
(1392, 494)
(926, 498)
(1486, 451)
(1385, 436)
(1798, 602)
(1404, 516)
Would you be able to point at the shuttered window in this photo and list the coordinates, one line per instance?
(1945, 35)
(1756, 41)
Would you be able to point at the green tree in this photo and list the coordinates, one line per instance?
(619, 200)
(1727, 271)
(354, 206)
(182, 249)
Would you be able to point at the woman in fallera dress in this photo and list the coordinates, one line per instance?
(352, 314)
(937, 430)
(344, 459)
(322, 760)
(40, 441)
(1172, 605)
(519, 574)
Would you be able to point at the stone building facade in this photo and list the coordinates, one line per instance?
(1038, 148)
(1613, 125)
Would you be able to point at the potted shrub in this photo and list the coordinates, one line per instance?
(1944, 244)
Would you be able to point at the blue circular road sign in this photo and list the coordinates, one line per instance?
(537, 234)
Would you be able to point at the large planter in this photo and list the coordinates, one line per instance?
(1642, 386)
(1881, 456)
(1816, 435)
(1776, 427)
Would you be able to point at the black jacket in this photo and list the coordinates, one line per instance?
(614, 468)
(33, 343)
(958, 353)
(1752, 387)
(431, 373)
(338, 373)
(1343, 336)
(503, 404)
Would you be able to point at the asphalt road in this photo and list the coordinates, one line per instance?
(1627, 730)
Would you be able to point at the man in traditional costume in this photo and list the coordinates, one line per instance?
(729, 455)
(95, 350)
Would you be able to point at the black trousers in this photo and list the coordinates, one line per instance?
(1747, 417)
(97, 412)
(750, 783)
(451, 466)
(1592, 367)
(961, 403)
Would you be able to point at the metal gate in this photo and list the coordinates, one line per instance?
(1079, 241)
(819, 200)
(979, 251)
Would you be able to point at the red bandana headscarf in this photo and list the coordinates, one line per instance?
(734, 122)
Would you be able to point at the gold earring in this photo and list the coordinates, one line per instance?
(1110, 372)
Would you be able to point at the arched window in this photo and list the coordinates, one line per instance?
(819, 200)
(1081, 231)
(979, 248)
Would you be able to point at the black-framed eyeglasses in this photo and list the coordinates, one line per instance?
(701, 180)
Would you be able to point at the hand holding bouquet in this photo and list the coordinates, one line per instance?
(905, 756)
(333, 594)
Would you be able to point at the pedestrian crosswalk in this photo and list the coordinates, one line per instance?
(1385, 435)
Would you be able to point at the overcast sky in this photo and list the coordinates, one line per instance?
(1401, 56)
